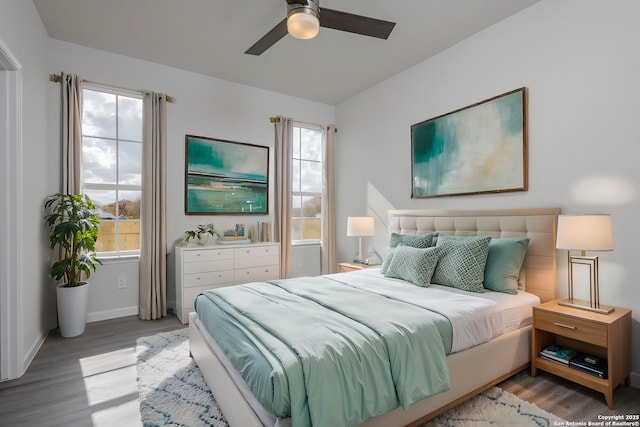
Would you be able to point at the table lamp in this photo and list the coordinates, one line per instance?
(585, 233)
(360, 226)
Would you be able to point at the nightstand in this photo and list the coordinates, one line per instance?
(344, 267)
(600, 335)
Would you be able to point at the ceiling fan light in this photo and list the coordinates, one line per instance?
(303, 24)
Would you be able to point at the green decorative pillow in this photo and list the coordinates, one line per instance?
(415, 265)
(414, 240)
(504, 264)
(462, 262)
(387, 260)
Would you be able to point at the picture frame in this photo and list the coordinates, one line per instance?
(225, 177)
(478, 149)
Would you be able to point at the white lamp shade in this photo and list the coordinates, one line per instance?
(303, 25)
(360, 226)
(584, 233)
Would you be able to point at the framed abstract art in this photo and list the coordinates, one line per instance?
(477, 149)
(225, 177)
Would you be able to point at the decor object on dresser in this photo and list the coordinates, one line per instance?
(235, 236)
(199, 268)
(201, 232)
(585, 233)
(598, 335)
(73, 229)
(360, 226)
(477, 149)
(225, 177)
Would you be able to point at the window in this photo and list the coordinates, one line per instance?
(307, 184)
(112, 165)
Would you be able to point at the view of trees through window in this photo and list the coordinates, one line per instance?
(306, 184)
(112, 165)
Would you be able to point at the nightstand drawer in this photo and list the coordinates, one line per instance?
(571, 327)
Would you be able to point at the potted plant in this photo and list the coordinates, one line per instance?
(202, 233)
(73, 230)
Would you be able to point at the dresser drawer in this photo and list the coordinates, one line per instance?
(256, 256)
(208, 255)
(207, 266)
(211, 278)
(190, 295)
(571, 327)
(257, 274)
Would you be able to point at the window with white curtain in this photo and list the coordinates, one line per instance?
(306, 175)
(112, 165)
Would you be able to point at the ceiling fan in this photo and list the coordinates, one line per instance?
(304, 17)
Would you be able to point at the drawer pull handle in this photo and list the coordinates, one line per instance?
(562, 325)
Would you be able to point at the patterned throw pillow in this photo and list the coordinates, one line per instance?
(504, 264)
(414, 240)
(415, 265)
(462, 262)
(387, 260)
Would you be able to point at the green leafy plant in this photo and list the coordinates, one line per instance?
(200, 229)
(73, 229)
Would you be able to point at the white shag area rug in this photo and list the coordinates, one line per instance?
(172, 392)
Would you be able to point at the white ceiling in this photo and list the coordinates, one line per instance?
(210, 36)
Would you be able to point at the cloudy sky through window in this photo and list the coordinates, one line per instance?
(112, 142)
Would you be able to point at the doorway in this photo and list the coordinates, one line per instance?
(10, 184)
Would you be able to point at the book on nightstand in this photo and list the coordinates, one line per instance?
(558, 354)
(591, 365)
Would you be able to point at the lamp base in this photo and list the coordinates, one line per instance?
(586, 305)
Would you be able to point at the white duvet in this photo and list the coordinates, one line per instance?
(475, 318)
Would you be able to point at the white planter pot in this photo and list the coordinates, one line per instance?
(72, 309)
(203, 238)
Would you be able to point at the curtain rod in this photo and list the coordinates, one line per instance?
(57, 78)
(277, 120)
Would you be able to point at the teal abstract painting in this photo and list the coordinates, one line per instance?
(477, 149)
(225, 177)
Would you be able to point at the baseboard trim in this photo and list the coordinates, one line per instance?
(34, 348)
(112, 314)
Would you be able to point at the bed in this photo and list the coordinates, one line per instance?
(512, 348)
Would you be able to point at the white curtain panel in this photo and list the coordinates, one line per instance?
(282, 211)
(153, 237)
(70, 133)
(329, 259)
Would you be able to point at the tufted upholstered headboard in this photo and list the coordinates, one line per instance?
(539, 225)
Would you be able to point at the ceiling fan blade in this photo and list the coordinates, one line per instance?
(357, 24)
(269, 39)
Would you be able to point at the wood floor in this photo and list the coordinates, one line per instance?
(90, 380)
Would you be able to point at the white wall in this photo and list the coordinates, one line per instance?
(581, 63)
(23, 34)
(203, 106)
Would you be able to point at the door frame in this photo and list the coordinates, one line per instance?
(11, 363)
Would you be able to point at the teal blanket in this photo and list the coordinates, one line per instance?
(328, 354)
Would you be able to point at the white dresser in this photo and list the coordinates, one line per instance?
(199, 268)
